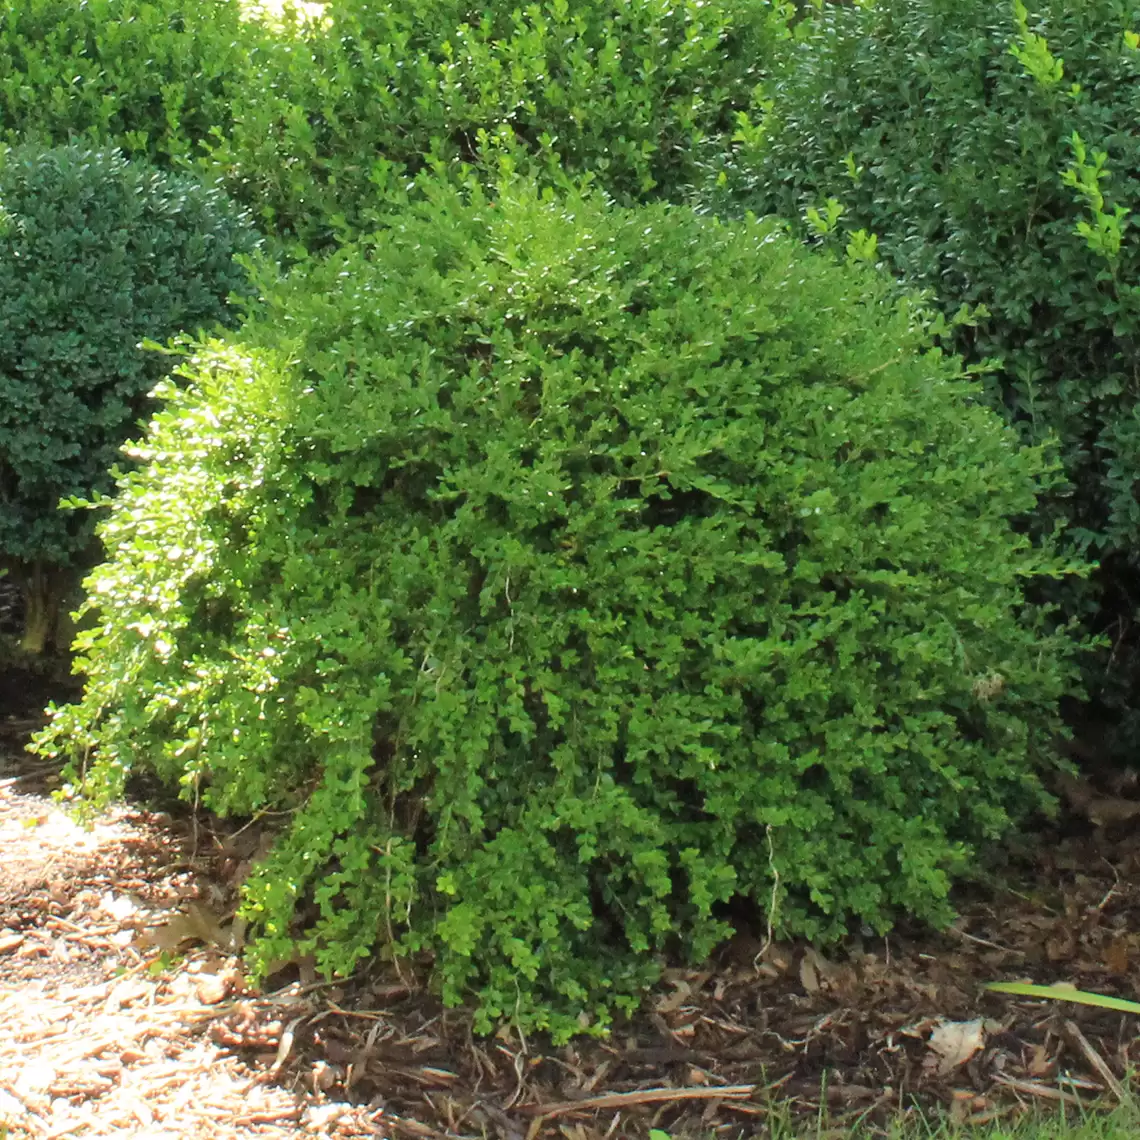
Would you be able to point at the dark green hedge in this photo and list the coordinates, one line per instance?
(96, 254)
(952, 130)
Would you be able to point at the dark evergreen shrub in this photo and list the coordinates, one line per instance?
(154, 77)
(565, 572)
(345, 109)
(993, 152)
(96, 254)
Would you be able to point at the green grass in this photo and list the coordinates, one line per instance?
(1072, 1124)
(1122, 1123)
(1065, 1123)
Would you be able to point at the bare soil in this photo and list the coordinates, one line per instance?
(124, 1010)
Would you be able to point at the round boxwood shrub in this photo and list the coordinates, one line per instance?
(345, 109)
(566, 571)
(96, 254)
(965, 136)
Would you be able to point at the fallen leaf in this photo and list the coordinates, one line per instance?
(195, 924)
(826, 970)
(213, 988)
(953, 1043)
(1061, 943)
(672, 1002)
(1040, 1064)
(961, 1105)
(1116, 956)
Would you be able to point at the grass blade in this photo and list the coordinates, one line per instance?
(1064, 991)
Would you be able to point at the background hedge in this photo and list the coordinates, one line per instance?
(345, 110)
(96, 254)
(992, 150)
(155, 78)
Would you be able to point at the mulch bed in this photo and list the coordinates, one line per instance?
(124, 1012)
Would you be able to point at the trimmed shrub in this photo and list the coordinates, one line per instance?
(96, 254)
(346, 109)
(153, 77)
(952, 130)
(566, 571)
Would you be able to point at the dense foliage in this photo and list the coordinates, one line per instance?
(993, 152)
(96, 254)
(154, 77)
(343, 110)
(566, 571)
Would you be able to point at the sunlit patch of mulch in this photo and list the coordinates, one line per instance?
(124, 1011)
(98, 1035)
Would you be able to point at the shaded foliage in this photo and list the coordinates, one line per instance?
(992, 152)
(96, 254)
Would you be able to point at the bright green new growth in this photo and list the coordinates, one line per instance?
(567, 571)
(96, 254)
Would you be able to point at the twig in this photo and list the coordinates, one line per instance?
(1096, 1060)
(1035, 1088)
(412, 1126)
(1113, 890)
(392, 991)
(639, 1096)
(983, 941)
(270, 1116)
(773, 901)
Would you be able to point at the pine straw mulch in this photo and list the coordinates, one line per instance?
(123, 1010)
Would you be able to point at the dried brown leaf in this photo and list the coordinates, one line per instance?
(953, 1043)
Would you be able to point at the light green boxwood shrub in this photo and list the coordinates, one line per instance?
(566, 571)
(946, 128)
(96, 254)
(344, 110)
(153, 77)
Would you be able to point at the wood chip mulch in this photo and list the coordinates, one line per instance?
(124, 1011)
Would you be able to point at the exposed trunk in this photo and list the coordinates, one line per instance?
(41, 608)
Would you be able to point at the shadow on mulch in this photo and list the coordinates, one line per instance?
(879, 1027)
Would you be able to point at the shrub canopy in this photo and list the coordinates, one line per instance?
(344, 110)
(566, 571)
(153, 77)
(96, 254)
(320, 124)
(965, 136)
